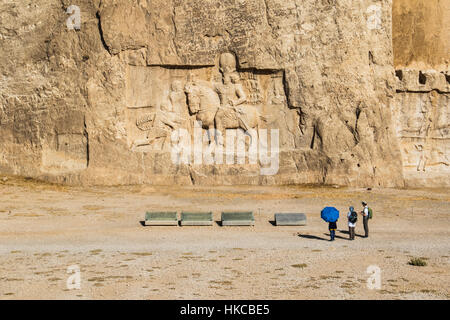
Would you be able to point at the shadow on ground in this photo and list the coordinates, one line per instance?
(346, 232)
(308, 236)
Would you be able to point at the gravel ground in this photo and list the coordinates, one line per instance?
(45, 229)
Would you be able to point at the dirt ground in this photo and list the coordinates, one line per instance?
(45, 229)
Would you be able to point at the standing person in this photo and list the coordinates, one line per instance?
(332, 226)
(352, 218)
(365, 214)
(330, 215)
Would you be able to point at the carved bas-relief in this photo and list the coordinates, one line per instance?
(167, 116)
(290, 66)
(218, 98)
(223, 105)
(423, 130)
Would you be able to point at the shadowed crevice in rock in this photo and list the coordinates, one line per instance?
(101, 33)
(86, 135)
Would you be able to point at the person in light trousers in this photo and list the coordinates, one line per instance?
(352, 218)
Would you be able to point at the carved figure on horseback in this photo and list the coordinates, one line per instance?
(222, 105)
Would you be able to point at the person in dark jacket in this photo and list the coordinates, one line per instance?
(332, 226)
(352, 217)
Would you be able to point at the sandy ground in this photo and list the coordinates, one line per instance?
(44, 229)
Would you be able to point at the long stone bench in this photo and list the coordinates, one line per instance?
(290, 219)
(161, 219)
(196, 218)
(238, 219)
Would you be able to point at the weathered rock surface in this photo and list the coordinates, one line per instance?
(421, 113)
(421, 41)
(421, 34)
(98, 105)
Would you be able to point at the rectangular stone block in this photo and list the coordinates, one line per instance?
(290, 219)
(161, 219)
(196, 218)
(238, 219)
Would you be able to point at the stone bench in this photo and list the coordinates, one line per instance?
(290, 219)
(238, 219)
(196, 218)
(161, 219)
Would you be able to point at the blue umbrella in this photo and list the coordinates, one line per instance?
(329, 214)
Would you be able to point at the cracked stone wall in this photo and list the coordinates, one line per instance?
(97, 105)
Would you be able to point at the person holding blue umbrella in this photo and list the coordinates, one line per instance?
(330, 215)
(332, 226)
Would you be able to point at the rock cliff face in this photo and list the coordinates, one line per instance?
(421, 113)
(107, 102)
(421, 41)
(421, 34)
